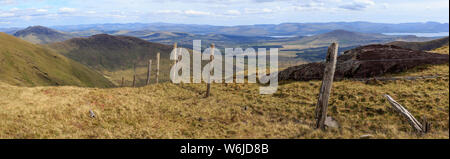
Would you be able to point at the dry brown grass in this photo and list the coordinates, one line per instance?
(234, 111)
(442, 50)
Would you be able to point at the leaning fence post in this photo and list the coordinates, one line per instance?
(158, 56)
(149, 70)
(419, 127)
(208, 84)
(324, 95)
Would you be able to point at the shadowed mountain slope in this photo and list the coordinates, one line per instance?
(107, 52)
(422, 46)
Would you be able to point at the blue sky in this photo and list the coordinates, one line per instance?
(21, 13)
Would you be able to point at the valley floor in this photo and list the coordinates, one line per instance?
(235, 111)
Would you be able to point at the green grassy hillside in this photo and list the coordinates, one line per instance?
(26, 64)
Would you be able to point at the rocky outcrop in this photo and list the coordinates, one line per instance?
(367, 61)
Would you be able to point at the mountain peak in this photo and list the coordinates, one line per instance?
(340, 32)
(41, 35)
(36, 30)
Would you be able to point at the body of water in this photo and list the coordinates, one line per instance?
(440, 34)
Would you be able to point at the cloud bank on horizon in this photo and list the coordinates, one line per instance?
(21, 13)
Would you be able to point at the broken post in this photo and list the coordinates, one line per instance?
(158, 56)
(418, 127)
(208, 84)
(149, 70)
(324, 95)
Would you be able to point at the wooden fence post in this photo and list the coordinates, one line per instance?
(149, 71)
(176, 57)
(418, 127)
(122, 84)
(327, 83)
(158, 56)
(134, 76)
(208, 84)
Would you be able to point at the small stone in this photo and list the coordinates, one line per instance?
(330, 122)
(367, 136)
(91, 114)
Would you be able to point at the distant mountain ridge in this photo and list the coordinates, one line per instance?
(185, 39)
(348, 38)
(41, 35)
(282, 29)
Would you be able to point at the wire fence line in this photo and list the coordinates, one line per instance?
(379, 78)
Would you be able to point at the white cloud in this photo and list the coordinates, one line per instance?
(196, 13)
(232, 12)
(167, 11)
(66, 10)
(14, 9)
(258, 10)
(4, 2)
(310, 6)
(358, 5)
(41, 10)
(3, 15)
(91, 12)
(185, 12)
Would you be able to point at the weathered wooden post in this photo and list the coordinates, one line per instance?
(149, 70)
(418, 127)
(134, 76)
(208, 84)
(158, 56)
(327, 83)
(123, 80)
(176, 57)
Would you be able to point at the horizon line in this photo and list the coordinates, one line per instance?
(50, 26)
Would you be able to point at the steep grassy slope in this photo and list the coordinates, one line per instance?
(26, 64)
(115, 56)
(422, 46)
(234, 111)
(41, 35)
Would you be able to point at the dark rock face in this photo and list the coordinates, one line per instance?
(367, 61)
